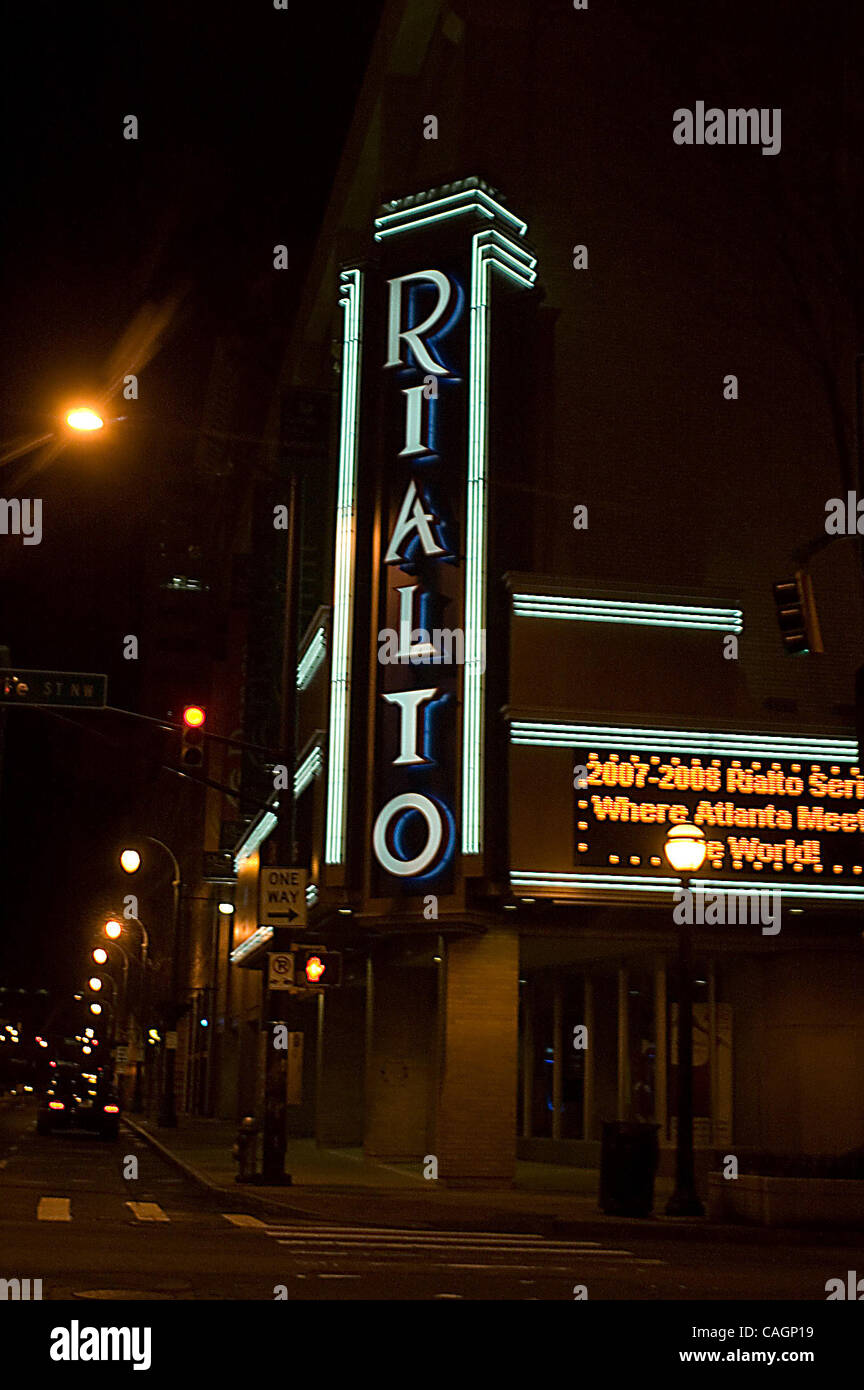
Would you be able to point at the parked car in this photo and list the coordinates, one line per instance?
(57, 1106)
(98, 1108)
(80, 1100)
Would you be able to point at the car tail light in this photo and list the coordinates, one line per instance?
(112, 1109)
(55, 1105)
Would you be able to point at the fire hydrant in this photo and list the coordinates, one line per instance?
(243, 1151)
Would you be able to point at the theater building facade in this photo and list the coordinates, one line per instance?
(546, 638)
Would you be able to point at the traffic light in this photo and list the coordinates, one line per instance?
(797, 616)
(313, 966)
(192, 750)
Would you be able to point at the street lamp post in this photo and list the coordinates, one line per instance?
(685, 850)
(113, 930)
(130, 861)
(94, 987)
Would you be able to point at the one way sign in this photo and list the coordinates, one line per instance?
(282, 897)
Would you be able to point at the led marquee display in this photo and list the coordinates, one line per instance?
(762, 817)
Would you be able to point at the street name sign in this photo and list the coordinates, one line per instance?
(282, 897)
(64, 689)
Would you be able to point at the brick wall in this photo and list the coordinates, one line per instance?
(400, 1061)
(476, 1122)
(341, 1062)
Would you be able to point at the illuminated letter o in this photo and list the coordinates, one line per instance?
(409, 801)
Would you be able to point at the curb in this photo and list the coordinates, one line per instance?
(208, 1184)
(516, 1222)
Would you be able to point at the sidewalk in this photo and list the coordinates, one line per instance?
(341, 1185)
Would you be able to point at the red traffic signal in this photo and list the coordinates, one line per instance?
(317, 968)
(192, 751)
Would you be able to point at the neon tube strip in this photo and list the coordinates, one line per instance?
(489, 251)
(308, 769)
(470, 200)
(343, 576)
(311, 658)
(257, 835)
(595, 610)
(638, 883)
(711, 744)
(251, 944)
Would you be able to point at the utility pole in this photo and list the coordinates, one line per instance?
(277, 1003)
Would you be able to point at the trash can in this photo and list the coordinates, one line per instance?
(628, 1164)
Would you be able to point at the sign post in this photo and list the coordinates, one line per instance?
(281, 904)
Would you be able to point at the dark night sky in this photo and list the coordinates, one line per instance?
(242, 112)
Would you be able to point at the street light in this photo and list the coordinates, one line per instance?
(83, 418)
(685, 850)
(130, 862)
(100, 955)
(114, 930)
(95, 983)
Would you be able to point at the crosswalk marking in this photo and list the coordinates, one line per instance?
(434, 1241)
(346, 1248)
(54, 1209)
(406, 1233)
(147, 1211)
(493, 1250)
(383, 1247)
(443, 1242)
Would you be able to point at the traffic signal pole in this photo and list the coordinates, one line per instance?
(278, 1004)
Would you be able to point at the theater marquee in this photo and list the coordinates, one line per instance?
(777, 811)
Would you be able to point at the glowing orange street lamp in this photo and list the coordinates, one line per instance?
(84, 419)
(685, 850)
(113, 929)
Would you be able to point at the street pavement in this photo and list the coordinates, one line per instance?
(97, 1220)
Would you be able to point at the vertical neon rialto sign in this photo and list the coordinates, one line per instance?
(425, 334)
(420, 580)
